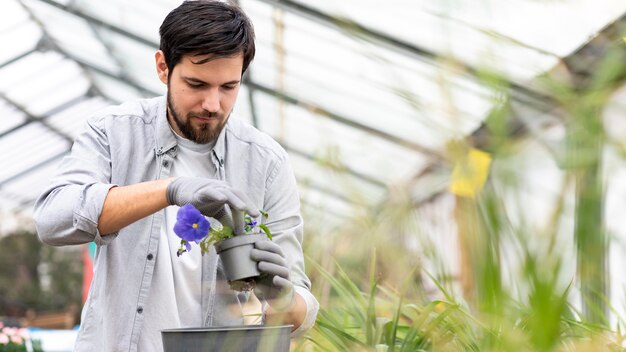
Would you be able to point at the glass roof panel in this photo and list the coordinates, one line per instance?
(497, 34)
(26, 188)
(28, 67)
(558, 27)
(314, 198)
(342, 184)
(10, 117)
(54, 81)
(95, 54)
(114, 89)
(264, 30)
(37, 144)
(242, 106)
(18, 40)
(137, 60)
(12, 15)
(9, 204)
(140, 17)
(358, 150)
(325, 221)
(71, 121)
(422, 188)
(64, 2)
(375, 86)
(73, 35)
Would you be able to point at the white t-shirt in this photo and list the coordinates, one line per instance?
(177, 280)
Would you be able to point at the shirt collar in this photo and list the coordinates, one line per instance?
(165, 136)
(220, 146)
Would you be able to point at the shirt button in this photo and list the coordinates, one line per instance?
(150, 256)
(140, 310)
(166, 163)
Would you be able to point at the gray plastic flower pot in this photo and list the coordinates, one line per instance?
(235, 255)
(251, 338)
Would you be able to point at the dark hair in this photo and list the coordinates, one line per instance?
(206, 27)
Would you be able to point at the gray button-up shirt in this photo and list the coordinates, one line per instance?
(132, 143)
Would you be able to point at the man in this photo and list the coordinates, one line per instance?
(136, 163)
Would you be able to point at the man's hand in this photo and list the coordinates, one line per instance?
(274, 286)
(208, 196)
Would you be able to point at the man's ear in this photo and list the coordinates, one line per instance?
(161, 66)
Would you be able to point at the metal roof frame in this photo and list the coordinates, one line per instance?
(519, 92)
(539, 100)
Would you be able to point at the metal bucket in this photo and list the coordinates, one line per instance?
(250, 338)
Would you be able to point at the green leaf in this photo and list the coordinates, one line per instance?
(227, 232)
(392, 334)
(267, 231)
(370, 324)
(342, 336)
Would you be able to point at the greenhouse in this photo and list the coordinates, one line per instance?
(460, 165)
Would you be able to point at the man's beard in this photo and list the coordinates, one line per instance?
(204, 134)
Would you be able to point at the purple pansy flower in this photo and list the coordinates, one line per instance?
(191, 225)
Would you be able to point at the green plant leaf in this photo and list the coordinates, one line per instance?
(345, 336)
(266, 230)
(227, 232)
(370, 324)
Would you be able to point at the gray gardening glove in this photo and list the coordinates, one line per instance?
(208, 196)
(274, 285)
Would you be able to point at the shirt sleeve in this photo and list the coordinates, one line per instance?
(312, 306)
(68, 210)
(282, 203)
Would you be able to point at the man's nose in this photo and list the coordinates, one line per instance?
(211, 101)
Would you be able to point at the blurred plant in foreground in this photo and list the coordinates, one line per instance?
(385, 319)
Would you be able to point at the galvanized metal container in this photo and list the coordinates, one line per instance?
(249, 338)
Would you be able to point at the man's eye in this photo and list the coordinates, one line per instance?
(230, 87)
(195, 85)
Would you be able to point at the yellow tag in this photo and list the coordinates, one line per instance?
(469, 175)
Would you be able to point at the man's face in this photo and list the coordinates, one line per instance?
(200, 97)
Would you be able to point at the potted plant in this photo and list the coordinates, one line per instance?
(233, 244)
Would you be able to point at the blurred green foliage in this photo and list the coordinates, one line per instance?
(37, 277)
